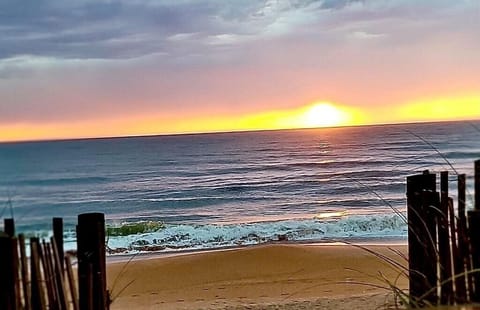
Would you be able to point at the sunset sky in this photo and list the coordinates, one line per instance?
(83, 68)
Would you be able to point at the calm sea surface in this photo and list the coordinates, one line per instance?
(229, 189)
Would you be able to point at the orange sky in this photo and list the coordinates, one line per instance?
(199, 66)
(309, 116)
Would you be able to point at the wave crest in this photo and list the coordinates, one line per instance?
(212, 236)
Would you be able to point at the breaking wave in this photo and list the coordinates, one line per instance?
(180, 237)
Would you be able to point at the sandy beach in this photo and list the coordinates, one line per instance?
(280, 276)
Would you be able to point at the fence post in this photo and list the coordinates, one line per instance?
(463, 240)
(421, 196)
(460, 294)
(57, 224)
(7, 273)
(474, 233)
(9, 227)
(91, 261)
(444, 244)
(477, 185)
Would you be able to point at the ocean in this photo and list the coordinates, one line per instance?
(207, 191)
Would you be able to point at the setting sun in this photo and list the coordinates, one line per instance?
(324, 114)
(317, 114)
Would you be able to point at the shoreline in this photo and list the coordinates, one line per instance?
(286, 275)
(385, 242)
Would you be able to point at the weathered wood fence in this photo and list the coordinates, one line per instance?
(443, 246)
(46, 279)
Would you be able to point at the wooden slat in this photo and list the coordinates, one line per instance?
(71, 282)
(48, 276)
(446, 297)
(57, 223)
(459, 267)
(60, 282)
(37, 289)
(464, 242)
(16, 273)
(24, 272)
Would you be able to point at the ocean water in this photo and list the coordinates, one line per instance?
(205, 191)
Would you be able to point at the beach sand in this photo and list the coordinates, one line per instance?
(280, 276)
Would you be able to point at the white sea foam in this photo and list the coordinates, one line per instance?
(210, 236)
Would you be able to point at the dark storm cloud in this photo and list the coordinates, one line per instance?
(80, 29)
(94, 29)
(127, 29)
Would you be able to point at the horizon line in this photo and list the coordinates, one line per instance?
(229, 131)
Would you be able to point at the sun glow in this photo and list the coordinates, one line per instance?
(324, 114)
(318, 114)
(455, 108)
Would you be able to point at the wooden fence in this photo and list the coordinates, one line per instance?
(443, 246)
(46, 279)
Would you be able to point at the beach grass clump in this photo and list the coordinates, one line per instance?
(126, 229)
